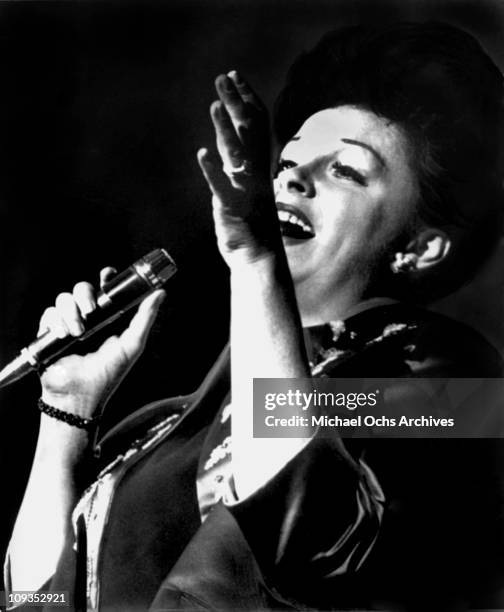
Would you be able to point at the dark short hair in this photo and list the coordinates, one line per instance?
(437, 83)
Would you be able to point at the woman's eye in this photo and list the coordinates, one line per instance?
(283, 164)
(349, 173)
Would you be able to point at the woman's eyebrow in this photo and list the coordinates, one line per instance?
(366, 146)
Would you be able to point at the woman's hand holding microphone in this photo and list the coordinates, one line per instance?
(81, 385)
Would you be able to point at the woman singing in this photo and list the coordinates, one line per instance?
(387, 194)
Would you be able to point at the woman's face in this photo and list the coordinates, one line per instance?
(344, 191)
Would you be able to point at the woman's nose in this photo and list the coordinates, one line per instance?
(296, 180)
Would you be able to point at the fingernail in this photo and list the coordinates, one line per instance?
(158, 300)
(235, 76)
(77, 329)
(87, 308)
(216, 106)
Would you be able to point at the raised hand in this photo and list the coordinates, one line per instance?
(243, 204)
(82, 384)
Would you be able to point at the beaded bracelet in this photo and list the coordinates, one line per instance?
(67, 417)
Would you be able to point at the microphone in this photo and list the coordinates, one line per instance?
(118, 295)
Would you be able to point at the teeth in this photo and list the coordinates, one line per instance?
(287, 217)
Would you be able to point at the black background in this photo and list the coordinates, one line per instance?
(103, 106)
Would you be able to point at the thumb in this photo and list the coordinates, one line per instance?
(135, 335)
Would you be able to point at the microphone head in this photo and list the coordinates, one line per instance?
(156, 267)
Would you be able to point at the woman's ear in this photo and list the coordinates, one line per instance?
(427, 249)
(431, 246)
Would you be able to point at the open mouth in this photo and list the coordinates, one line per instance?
(294, 223)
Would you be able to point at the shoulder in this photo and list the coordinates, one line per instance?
(452, 348)
(404, 340)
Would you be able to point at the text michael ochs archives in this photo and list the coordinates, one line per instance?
(403, 407)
